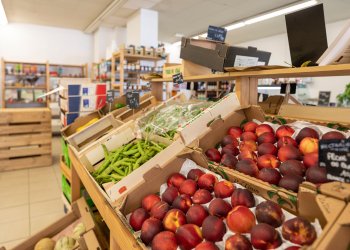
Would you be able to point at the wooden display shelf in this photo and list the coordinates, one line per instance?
(118, 54)
(66, 170)
(24, 87)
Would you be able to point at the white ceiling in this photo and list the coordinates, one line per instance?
(188, 17)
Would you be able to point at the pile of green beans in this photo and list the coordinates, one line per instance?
(122, 161)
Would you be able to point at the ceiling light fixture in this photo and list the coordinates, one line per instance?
(3, 18)
(268, 15)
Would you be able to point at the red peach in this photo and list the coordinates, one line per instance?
(207, 181)
(165, 240)
(267, 138)
(270, 175)
(316, 175)
(247, 154)
(238, 242)
(291, 182)
(188, 236)
(267, 148)
(268, 161)
(240, 220)
(170, 194)
(219, 208)
(250, 127)
(230, 149)
(223, 189)
(235, 131)
(270, 213)
(289, 152)
(292, 167)
(263, 128)
(213, 154)
(299, 231)
(182, 202)
(311, 160)
(248, 167)
(248, 145)
(242, 197)
(286, 140)
(333, 135)
(188, 187)
(150, 228)
(159, 210)
(308, 145)
(173, 219)
(176, 179)
(264, 236)
(202, 196)
(196, 215)
(229, 161)
(213, 229)
(229, 140)
(284, 130)
(137, 218)
(207, 245)
(194, 174)
(149, 201)
(306, 132)
(248, 136)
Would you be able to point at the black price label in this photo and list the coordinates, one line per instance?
(323, 98)
(334, 155)
(111, 95)
(216, 33)
(178, 78)
(133, 99)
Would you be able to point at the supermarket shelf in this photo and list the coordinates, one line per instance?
(316, 71)
(39, 75)
(137, 57)
(24, 87)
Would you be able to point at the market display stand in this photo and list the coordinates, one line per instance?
(246, 89)
(134, 75)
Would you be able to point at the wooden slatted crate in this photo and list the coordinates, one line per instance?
(25, 138)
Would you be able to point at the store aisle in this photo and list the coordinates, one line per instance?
(30, 200)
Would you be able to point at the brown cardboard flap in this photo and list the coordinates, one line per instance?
(337, 190)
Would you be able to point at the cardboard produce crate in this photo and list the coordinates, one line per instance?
(68, 118)
(25, 138)
(82, 103)
(272, 104)
(92, 157)
(187, 68)
(64, 226)
(82, 89)
(66, 170)
(312, 206)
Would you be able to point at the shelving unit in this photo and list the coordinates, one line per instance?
(101, 72)
(120, 74)
(246, 90)
(23, 83)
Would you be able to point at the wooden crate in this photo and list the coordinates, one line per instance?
(66, 170)
(25, 138)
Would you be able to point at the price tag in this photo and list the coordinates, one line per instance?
(133, 99)
(323, 98)
(111, 95)
(216, 33)
(334, 155)
(178, 78)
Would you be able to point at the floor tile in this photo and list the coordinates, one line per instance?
(14, 230)
(13, 178)
(44, 194)
(39, 223)
(46, 207)
(14, 213)
(14, 199)
(11, 244)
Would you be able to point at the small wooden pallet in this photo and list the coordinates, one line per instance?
(25, 138)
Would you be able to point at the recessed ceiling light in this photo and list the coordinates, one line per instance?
(3, 18)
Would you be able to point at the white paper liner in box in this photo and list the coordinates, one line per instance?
(189, 165)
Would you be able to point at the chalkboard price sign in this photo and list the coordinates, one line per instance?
(178, 78)
(323, 98)
(133, 99)
(216, 33)
(334, 155)
(111, 95)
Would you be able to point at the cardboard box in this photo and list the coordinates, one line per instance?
(82, 103)
(83, 89)
(93, 155)
(68, 118)
(64, 226)
(187, 68)
(311, 205)
(272, 104)
(217, 55)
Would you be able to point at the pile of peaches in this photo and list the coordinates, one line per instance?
(202, 213)
(273, 157)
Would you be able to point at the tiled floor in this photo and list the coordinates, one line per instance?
(30, 200)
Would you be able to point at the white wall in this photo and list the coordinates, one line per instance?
(133, 30)
(279, 47)
(26, 42)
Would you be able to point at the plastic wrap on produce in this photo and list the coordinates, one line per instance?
(189, 165)
(167, 120)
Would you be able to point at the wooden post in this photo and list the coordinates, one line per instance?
(121, 72)
(75, 184)
(157, 90)
(112, 71)
(242, 90)
(253, 91)
(3, 76)
(47, 83)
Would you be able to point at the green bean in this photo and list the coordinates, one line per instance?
(128, 146)
(131, 152)
(140, 148)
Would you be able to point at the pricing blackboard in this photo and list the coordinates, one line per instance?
(111, 95)
(178, 78)
(323, 98)
(216, 33)
(133, 99)
(334, 155)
